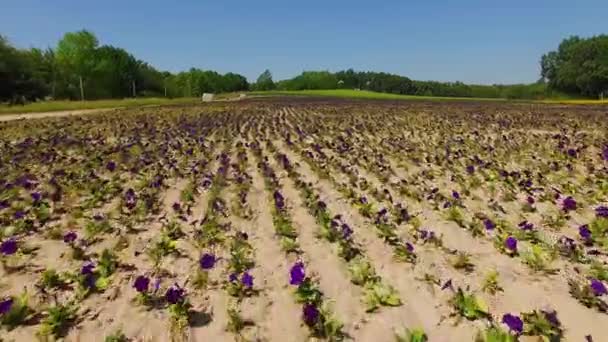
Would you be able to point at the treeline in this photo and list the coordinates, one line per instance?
(390, 83)
(79, 68)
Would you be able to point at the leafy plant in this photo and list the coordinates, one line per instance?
(490, 283)
(58, 320)
(377, 294)
(469, 306)
(463, 262)
(18, 310)
(414, 335)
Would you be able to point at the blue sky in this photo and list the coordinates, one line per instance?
(471, 41)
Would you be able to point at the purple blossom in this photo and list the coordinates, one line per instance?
(526, 226)
(247, 280)
(310, 314)
(568, 204)
(36, 196)
(279, 200)
(605, 153)
(141, 284)
(18, 215)
(572, 152)
(601, 211)
(514, 323)
(530, 200)
(511, 244)
(8, 247)
(70, 237)
(584, 232)
(87, 268)
(4, 204)
(233, 277)
(297, 274)
(470, 169)
(177, 207)
(599, 289)
(456, 195)
(346, 231)
(5, 306)
(409, 247)
(175, 294)
(111, 166)
(489, 224)
(207, 261)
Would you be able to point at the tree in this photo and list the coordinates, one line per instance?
(579, 66)
(76, 56)
(264, 81)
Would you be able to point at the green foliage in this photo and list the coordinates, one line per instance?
(118, 336)
(579, 65)
(490, 283)
(264, 81)
(377, 294)
(469, 306)
(413, 335)
(18, 313)
(494, 334)
(58, 320)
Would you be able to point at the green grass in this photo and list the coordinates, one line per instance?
(365, 94)
(51, 106)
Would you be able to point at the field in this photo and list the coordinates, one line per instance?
(296, 219)
(50, 106)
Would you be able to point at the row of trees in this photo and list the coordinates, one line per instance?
(390, 83)
(79, 68)
(578, 68)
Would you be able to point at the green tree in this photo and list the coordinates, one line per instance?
(75, 55)
(264, 81)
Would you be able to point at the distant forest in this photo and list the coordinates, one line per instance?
(80, 68)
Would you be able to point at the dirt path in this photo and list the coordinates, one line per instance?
(24, 116)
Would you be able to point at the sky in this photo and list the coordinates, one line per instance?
(481, 42)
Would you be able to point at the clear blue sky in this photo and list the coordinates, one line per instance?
(471, 41)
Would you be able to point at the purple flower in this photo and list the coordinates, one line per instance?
(177, 207)
(605, 153)
(4, 204)
(551, 317)
(310, 314)
(175, 294)
(87, 268)
(601, 211)
(455, 194)
(8, 247)
(70, 237)
(409, 247)
(514, 323)
(525, 225)
(346, 231)
(297, 274)
(207, 261)
(247, 280)
(279, 200)
(18, 215)
(470, 169)
(569, 204)
(599, 289)
(141, 284)
(584, 232)
(489, 224)
(233, 277)
(530, 200)
(36, 196)
(111, 166)
(511, 243)
(572, 152)
(6, 305)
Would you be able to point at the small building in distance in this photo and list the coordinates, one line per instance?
(207, 97)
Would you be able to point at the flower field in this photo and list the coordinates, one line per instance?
(307, 219)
